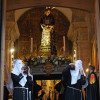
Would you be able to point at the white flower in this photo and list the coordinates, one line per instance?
(32, 58)
(59, 58)
(39, 57)
(56, 63)
(63, 58)
(43, 61)
(35, 63)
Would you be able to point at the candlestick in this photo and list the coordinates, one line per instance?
(31, 45)
(64, 43)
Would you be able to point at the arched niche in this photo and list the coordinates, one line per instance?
(31, 17)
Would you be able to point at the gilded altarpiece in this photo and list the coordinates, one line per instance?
(29, 27)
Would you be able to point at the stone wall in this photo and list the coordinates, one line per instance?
(12, 34)
(81, 33)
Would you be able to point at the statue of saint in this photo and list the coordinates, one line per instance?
(47, 18)
(47, 24)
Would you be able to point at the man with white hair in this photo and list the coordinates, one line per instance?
(73, 79)
(22, 81)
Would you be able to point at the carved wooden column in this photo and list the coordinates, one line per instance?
(10, 23)
(12, 33)
(97, 20)
(2, 45)
(8, 43)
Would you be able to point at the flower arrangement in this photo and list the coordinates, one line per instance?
(36, 61)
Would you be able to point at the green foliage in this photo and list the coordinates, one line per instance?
(36, 61)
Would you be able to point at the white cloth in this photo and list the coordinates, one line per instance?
(23, 81)
(17, 66)
(9, 85)
(75, 74)
(17, 70)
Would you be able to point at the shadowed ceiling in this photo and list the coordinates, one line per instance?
(79, 4)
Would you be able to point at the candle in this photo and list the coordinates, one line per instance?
(64, 43)
(31, 45)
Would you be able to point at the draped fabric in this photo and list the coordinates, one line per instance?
(73, 94)
(75, 74)
(45, 41)
(17, 64)
(20, 93)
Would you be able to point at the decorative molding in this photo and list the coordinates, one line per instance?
(77, 28)
(48, 68)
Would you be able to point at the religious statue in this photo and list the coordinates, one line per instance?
(48, 18)
(47, 24)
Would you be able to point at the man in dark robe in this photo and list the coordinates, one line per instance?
(92, 90)
(60, 88)
(22, 82)
(73, 78)
(36, 89)
(6, 92)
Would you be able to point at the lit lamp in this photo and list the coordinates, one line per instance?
(64, 43)
(12, 55)
(31, 45)
(74, 55)
(87, 70)
(12, 50)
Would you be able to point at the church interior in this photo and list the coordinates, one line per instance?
(47, 48)
(24, 34)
